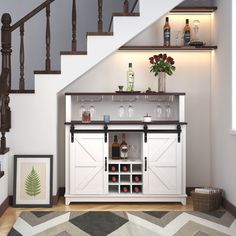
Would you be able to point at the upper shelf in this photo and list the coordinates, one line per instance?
(171, 48)
(193, 10)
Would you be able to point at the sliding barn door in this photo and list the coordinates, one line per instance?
(87, 164)
(162, 156)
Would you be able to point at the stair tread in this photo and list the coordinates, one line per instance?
(44, 72)
(74, 53)
(99, 33)
(125, 14)
(22, 91)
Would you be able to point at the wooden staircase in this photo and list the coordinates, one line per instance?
(6, 49)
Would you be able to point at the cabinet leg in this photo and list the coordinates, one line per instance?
(183, 201)
(67, 201)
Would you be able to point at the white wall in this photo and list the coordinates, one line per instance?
(223, 143)
(188, 78)
(111, 72)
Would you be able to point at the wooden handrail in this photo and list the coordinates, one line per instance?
(135, 4)
(31, 14)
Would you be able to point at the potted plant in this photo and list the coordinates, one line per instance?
(161, 65)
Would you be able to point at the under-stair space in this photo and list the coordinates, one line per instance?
(31, 114)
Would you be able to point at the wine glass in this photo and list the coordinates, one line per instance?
(168, 111)
(82, 110)
(130, 111)
(177, 35)
(92, 111)
(196, 29)
(121, 111)
(159, 111)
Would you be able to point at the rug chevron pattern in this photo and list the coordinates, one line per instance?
(117, 223)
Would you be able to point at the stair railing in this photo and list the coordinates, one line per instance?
(6, 50)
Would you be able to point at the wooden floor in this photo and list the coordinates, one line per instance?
(9, 217)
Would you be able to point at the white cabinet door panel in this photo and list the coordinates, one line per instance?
(87, 172)
(163, 174)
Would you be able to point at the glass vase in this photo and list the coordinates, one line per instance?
(162, 82)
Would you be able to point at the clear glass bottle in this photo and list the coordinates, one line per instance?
(130, 79)
(166, 33)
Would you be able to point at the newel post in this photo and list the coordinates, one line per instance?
(5, 80)
(6, 45)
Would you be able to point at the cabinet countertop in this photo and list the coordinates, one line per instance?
(174, 122)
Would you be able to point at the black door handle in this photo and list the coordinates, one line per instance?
(145, 164)
(105, 163)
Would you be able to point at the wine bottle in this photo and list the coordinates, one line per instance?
(166, 33)
(125, 168)
(114, 179)
(130, 79)
(136, 189)
(187, 33)
(136, 179)
(113, 168)
(125, 189)
(123, 148)
(115, 149)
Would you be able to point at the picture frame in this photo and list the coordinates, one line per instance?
(32, 185)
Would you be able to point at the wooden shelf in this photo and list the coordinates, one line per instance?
(193, 10)
(171, 48)
(128, 122)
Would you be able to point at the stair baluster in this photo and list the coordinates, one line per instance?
(48, 41)
(74, 22)
(22, 59)
(126, 7)
(100, 21)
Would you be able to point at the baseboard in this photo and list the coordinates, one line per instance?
(4, 206)
(60, 192)
(229, 207)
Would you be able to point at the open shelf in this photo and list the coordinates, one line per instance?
(171, 48)
(125, 178)
(193, 9)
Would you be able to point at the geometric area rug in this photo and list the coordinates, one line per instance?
(120, 223)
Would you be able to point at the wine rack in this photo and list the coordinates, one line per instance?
(125, 177)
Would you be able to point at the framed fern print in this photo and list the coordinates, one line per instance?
(32, 181)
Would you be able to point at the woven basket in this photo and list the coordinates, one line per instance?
(206, 202)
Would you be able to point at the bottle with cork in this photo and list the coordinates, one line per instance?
(187, 33)
(166, 33)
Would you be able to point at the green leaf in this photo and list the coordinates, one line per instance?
(32, 183)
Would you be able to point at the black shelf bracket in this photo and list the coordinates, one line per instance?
(145, 130)
(179, 130)
(105, 133)
(72, 131)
